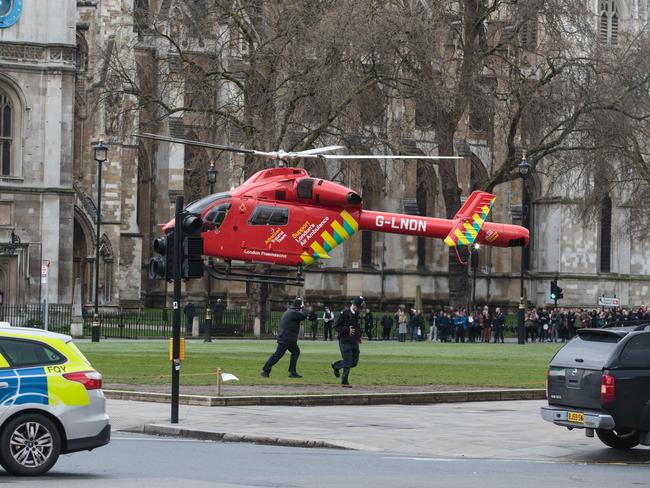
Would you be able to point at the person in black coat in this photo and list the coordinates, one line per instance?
(498, 323)
(217, 314)
(348, 326)
(369, 323)
(190, 313)
(328, 320)
(288, 339)
(418, 322)
(387, 325)
(313, 320)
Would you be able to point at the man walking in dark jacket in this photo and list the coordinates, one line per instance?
(348, 326)
(288, 339)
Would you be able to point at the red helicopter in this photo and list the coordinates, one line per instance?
(283, 216)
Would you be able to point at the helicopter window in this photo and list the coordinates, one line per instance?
(216, 214)
(280, 216)
(266, 215)
(198, 206)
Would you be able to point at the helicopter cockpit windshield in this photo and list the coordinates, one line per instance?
(215, 216)
(198, 206)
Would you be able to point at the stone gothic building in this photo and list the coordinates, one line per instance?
(57, 68)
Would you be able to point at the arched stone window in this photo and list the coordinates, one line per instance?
(372, 191)
(6, 133)
(608, 28)
(606, 235)
(11, 121)
(81, 54)
(106, 273)
(425, 196)
(197, 161)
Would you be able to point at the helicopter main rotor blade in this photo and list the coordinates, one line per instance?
(189, 142)
(308, 154)
(318, 150)
(351, 156)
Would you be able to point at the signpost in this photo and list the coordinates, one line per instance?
(44, 269)
(609, 302)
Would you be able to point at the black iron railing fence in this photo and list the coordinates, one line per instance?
(132, 323)
(138, 323)
(135, 323)
(59, 316)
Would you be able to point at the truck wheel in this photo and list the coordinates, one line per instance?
(29, 445)
(619, 439)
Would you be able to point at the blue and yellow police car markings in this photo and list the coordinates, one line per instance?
(8, 393)
(32, 387)
(28, 385)
(42, 386)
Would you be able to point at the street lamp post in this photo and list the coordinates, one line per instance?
(212, 178)
(524, 168)
(101, 154)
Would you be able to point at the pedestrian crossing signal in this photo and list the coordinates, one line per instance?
(556, 291)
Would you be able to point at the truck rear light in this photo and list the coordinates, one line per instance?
(607, 389)
(91, 380)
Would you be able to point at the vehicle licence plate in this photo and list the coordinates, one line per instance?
(576, 417)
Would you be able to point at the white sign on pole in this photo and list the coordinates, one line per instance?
(45, 265)
(608, 302)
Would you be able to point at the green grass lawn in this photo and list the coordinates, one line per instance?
(490, 365)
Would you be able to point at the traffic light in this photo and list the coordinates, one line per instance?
(192, 249)
(556, 291)
(162, 267)
(191, 262)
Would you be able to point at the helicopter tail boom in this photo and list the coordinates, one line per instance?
(491, 234)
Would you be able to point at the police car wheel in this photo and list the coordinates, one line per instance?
(29, 445)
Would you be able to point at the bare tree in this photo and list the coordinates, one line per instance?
(250, 73)
(530, 74)
(535, 70)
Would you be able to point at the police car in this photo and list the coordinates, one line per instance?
(51, 400)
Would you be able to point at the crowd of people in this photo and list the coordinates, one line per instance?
(560, 324)
(479, 325)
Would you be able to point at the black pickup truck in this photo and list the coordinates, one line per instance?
(600, 381)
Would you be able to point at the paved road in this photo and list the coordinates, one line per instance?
(131, 460)
(510, 430)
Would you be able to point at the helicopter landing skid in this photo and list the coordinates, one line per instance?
(250, 277)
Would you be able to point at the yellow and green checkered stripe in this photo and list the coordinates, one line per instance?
(466, 232)
(337, 232)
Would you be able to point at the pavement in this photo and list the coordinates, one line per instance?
(483, 430)
(332, 395)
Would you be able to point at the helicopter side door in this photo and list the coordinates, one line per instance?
(266, 238)
(298, 234)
